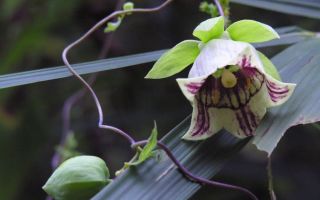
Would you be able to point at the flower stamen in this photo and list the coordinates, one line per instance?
(228, 79)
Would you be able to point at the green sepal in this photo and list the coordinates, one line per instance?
(78, 178)
(251, 31)
(269, 66)
(175, 60)
(209, 29)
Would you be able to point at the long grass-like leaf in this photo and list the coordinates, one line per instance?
(299, 64)
(301, 8)
(34, 76)
(306, 3)
(290, 35)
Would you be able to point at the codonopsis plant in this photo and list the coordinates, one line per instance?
(230, 84)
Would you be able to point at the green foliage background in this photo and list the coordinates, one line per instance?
(33, 35)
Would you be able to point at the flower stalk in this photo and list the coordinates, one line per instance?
(220, 9)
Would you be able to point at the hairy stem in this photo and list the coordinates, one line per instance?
(193, 177)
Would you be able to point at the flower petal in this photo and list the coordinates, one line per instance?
(219, 53)
(204, 123)
(243, 121)
(190, 86)
(278, 91)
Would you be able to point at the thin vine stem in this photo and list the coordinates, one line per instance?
(193, 177)
(220, 9)
(74, 98)
(85, 83)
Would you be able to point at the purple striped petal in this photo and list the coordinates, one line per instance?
(203, 123)
(279, 92)
(190, 86)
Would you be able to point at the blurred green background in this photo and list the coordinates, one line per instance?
(33, 35)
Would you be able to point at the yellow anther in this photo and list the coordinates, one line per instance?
(228, 79)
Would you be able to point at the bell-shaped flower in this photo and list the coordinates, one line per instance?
(230, 84)
(229, 88)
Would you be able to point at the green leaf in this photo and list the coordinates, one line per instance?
(269, 67)
(78, 178)
(175, 60)
(295, 7)
(147, 151)
(251, 31)
(51, 73)
(209, 29)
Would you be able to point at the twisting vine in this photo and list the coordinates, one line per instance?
(135, 144)
(74, 98)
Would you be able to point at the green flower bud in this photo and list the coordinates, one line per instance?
(78, 178)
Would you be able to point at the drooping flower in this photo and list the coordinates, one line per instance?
(230, 84)
(229, 88)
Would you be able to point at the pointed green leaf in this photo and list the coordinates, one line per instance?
(269, 67)
(147, 151)
(209, 29)
(175, 60)
(150, 146)
(251, 31)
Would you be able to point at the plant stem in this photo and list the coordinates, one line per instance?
(85, 83)
(193, 177)
(220, 9)
(74, 98)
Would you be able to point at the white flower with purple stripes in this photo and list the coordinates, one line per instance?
(230, 84)
(229, 88)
